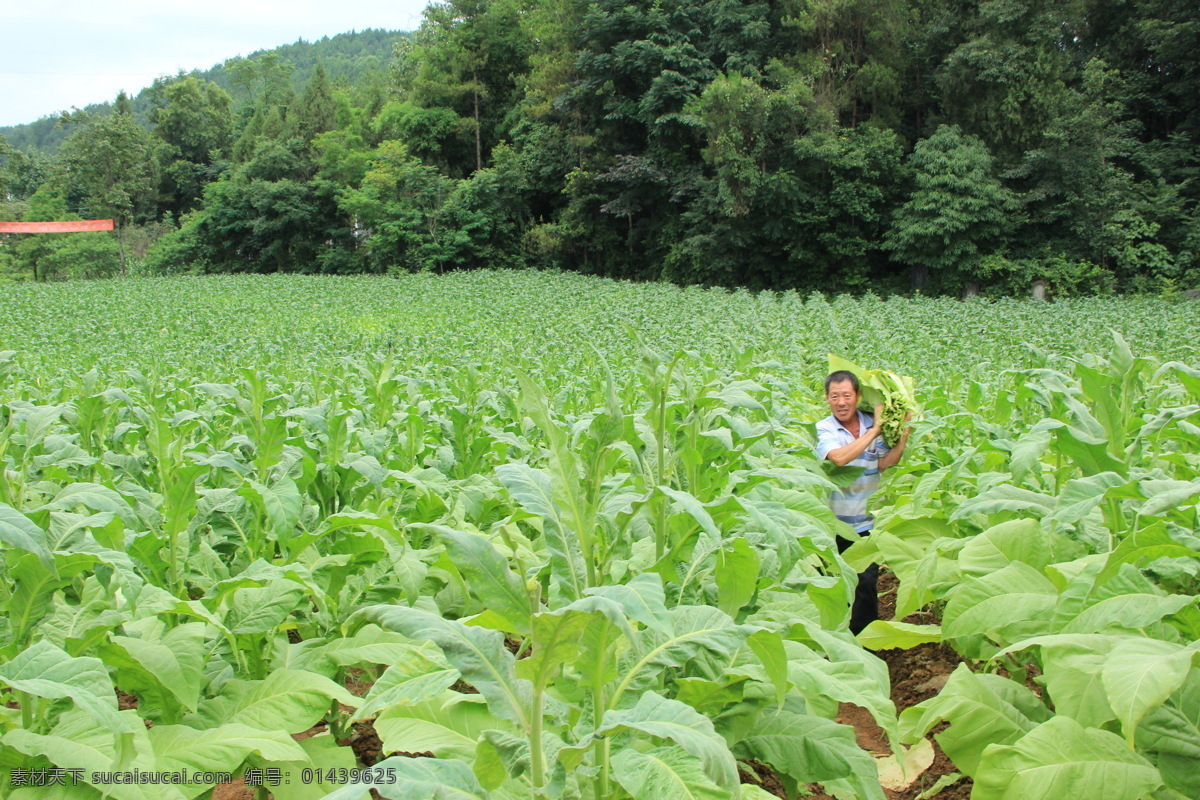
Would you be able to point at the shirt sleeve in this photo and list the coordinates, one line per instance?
(826, 440)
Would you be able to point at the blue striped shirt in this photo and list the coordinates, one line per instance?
(850, 504)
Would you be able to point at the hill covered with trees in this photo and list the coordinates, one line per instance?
(348, 58)
(833, 145)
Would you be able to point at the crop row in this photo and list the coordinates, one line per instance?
(596, 567)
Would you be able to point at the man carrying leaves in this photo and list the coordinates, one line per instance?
(849, 437)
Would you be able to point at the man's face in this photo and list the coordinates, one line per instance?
(843, 401)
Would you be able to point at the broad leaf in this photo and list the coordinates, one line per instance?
(1060, 758)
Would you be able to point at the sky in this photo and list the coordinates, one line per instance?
(55, 54)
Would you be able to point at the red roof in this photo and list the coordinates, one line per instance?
(57, 227)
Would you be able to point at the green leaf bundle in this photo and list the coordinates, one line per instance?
(896, 393)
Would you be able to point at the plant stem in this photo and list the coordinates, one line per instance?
(536, 754)
(605, 749)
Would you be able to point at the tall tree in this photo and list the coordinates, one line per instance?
(1007, 78)
(853, 53)
(958, 213)
(111, 159)
(316, 110)
(193, 124)
(470, 54)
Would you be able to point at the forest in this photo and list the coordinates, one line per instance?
(935, 146)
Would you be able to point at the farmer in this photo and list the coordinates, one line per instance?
(849, 437)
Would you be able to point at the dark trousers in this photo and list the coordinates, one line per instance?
(865, 608)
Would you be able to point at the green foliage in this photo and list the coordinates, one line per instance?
(627, 555)
(193, 121)
(749, 145)
(958, 212)
(110, 159)
(81, 255)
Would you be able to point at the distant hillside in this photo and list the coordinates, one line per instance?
(349, 58)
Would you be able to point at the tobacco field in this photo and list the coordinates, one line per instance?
(539, 535)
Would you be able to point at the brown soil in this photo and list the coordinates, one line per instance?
(919, 673)
(761, 775)
(357, 682)
(366, 744)
(126, 701)
(916, 675)
(237, 790)
(462, 687)
(869, 735)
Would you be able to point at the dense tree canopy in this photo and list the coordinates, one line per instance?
(832, 145)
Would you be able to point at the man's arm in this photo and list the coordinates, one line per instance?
(892, 456)
(847, 453)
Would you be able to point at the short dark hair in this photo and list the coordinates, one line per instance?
(842, 375)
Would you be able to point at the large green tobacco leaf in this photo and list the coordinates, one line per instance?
(1096, 678)
(1021, 540)
(982, 710)
(805, 748)
(1060, 758)
(287, 700)
(260, 609)
(280, 502)
(1007, 499)
(1142, 546)
(559, 637)
(399, 778)
(1006, 604)
(44, 670)
(370, 645)
(449, 725)
(489, 577)
(479, 654)
(1127, 611)
(169, 667)
(1073, 665)
(77, 742)
(888, 635)
(322, 753)
(532, 488)
(1140, 674)
(16, 530)
(421, 674)
(1171, 735)
(1028, 450)
(665, 772)
(221, 749)
(93, 497)
(694, 629)
(642, 598)
(35, 585)
(680, 723)
(1088, 451)
(848, 675)
(1164, 496)
(736, 574)
(1080, 496)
